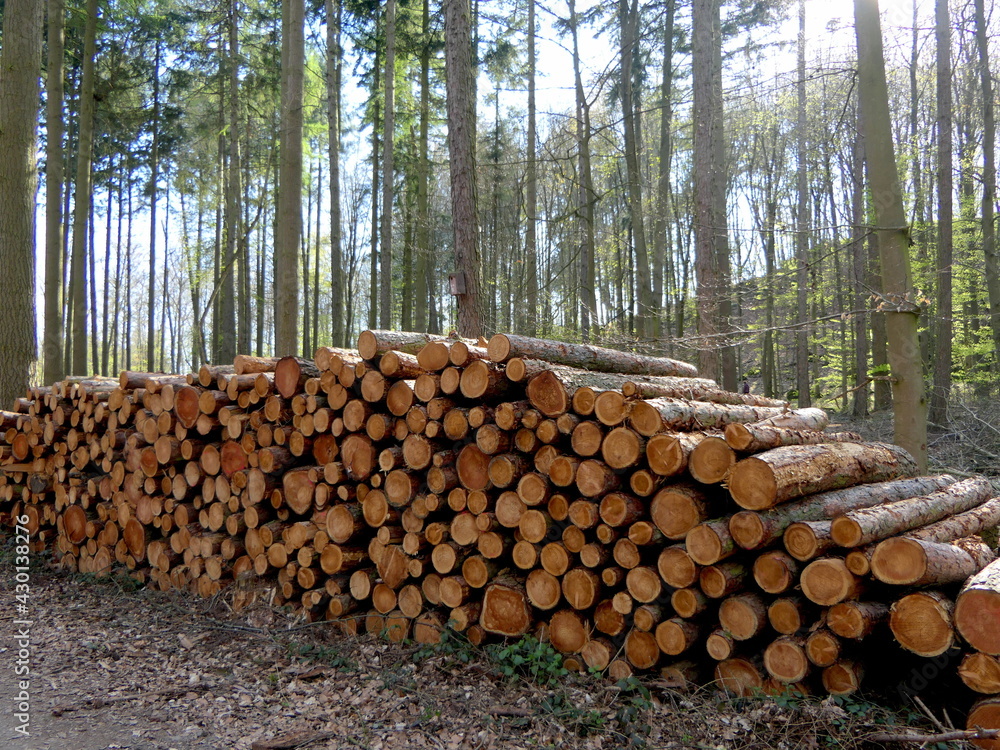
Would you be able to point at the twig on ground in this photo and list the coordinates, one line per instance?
(91, 703)
(959, 734)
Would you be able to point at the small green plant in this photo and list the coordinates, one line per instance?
(633, 714)
(319, 654)
(530, 658)
(453, 645)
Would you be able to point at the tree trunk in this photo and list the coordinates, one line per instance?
(55, 251)
(754, 438)
(914, 562)
(531, 189)
(801, 226)
(226, 334)
(661, 323)
(154, 178)
(504, 346)
(943, 334)
(629, 18)
(335, 55)
(779, 475)
(992, 258)
(858, 255)
(81, 203)
(20, 61)
(423, 249)
(388, 126)
(902, 314)
(462, 162)
(289, 224)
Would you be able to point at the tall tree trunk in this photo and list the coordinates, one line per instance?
(531, 188)
(373, 289)
(423, 250)
(153, 198)
(233, 195)
(909, 403)
(289, 224)
(942, 357)
(992, 258)
(20, 63)
(81, 203)
(802, 227)
(388, 126)
(859, 286)
(106, 318)
(585, 211)
(629, 15)
(661, 320)
(711, 233)
(335, 54)
(55, 250)
(462, 163)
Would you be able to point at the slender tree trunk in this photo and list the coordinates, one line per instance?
(81, 209)
(992, 257)
(423, 250)
(233, 198)
(95, 359)
(55, 249)
(942, 356)
(661, 319)
(373, 288)
(388, 126)
(289, 235)
(335, 56)
(20, 63)
(859, 287)
(165, 302)
(531, 188)
(585, 212)
(105, 340)
(629, 15)
(154, 190)
(909, 404)
(462, 163)
(802, 227)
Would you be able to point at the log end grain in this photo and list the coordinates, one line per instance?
(922, 623)
(752, 484)
(827, 581)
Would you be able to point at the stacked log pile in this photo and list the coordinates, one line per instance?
(633, 514)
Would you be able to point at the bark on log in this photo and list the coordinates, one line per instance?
(664, 414)
(504, 346)
(752, 530)
(904, 561)
(755, 438)
(870, 524)
(372, 343)
(779, 475)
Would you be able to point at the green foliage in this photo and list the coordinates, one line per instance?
(528, 658)
(316, 653)
(633, 714)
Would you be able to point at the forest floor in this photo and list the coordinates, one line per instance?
(113, 666)
(117, 667)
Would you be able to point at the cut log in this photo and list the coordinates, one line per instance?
(775, 572)
(664, 414)
(752, 530)
(505, 609)
(373, 343)
(694, 389)
(709, 542)
(568, 631)
(903, 561)
(481, 380)
(827, 581)
(856, 619)
(740, 676)
(977, 610)
(678, 508)
(711, 460)
(806, 540)
(787, 615)
(980, 672)
(722, 579)
(504, 346)
(758, 437)
(871, 524)
(843, 678)
(922, 622)
(641, 649)
(823, 648)
(985, 714)
(291, 373)
(668, 453)
(622, 448)
(721, 645)
(676, 567)
(785, 659)
(743, 616)
(779, 475)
